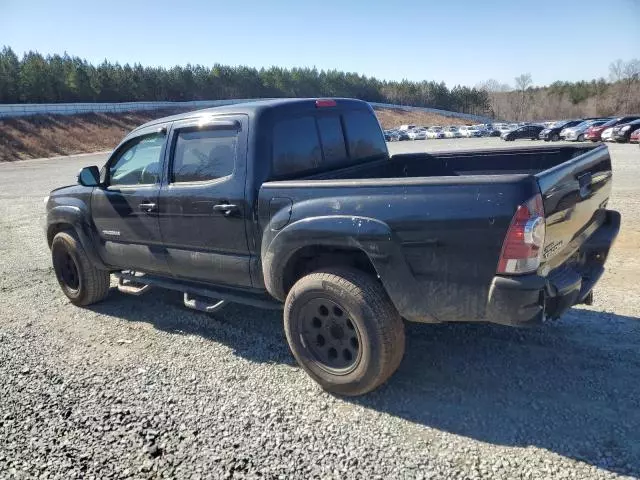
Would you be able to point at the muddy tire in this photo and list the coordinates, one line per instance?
(343, 330)
(80, 281)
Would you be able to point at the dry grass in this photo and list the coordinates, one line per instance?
(53, 135)
(391, 117)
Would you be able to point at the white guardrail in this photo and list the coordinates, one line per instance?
(26, 109)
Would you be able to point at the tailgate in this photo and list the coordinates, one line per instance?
(574, 195)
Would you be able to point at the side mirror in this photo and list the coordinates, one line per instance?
(89, 176)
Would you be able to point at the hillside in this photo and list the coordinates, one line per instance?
(54, 135)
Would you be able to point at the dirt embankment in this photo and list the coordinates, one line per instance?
(392, 117)
(53, 135)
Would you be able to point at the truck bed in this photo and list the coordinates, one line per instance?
(448, 213)
(531, 160)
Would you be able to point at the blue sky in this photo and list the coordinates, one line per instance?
(458, 42)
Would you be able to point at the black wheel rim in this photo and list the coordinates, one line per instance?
(67, 270)
(330, 336)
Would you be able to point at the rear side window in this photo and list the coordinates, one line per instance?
(332, 138)
(364, 137)
(203, 155)
(296, 146)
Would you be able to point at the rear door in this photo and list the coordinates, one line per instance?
(124, 208)
(202, 205)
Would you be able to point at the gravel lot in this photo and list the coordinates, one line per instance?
(142, 387)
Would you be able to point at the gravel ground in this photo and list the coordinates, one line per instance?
(142, 387)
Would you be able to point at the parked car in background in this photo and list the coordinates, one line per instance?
(389, 135)
(607, 135)
(417, 134)
(553, 133)
(622, 133)
(490, 131)
(502, 129)
(452, 132)
(577, 133)
(435, 132)
(527, 131)
(635, 137)
(407, 127)
(595, 133)
(402, 135)
(470, 131)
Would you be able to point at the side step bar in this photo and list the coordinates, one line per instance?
(198, 304)
(132, 287)
(191, 290)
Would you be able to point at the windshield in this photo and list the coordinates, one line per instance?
(611, 122)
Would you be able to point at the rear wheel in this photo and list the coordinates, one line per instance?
(555, 137)
(80, 281)
(343, 330)
(581, 137)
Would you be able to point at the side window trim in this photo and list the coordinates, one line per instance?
(215, 125)
(115, 156)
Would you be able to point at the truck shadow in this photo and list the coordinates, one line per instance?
(571, 387)
(251, 333)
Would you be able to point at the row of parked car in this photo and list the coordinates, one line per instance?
(619, 129)
(416, 132)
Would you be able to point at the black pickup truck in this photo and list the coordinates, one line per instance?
(296, 203)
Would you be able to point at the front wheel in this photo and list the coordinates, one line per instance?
(80, 281)
(343, 330)
(555, 137)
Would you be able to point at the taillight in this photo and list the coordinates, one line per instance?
(522, 246)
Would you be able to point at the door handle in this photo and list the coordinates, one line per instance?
(147, 207)
(226, 208)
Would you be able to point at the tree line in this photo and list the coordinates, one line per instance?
(35, 78)
(618, 95)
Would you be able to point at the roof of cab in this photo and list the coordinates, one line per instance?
(252, 108)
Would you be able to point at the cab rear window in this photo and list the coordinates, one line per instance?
(309, 143)
(363, 135)
(296, 146)
(332, 139)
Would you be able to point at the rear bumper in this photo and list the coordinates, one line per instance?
(530, 299)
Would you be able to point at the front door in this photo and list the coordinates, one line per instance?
(125, 207)
(202, 206)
